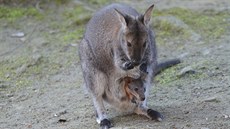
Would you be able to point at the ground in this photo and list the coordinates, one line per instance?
(41, 80)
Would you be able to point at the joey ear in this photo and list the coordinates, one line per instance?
(147, 16)
(124, 18)
(127, 79)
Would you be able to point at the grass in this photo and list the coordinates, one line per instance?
(73, 35)
(97, 3)
(167, 76)
(11, 14)
(167, 30)
(209, 25)
(74, 26)
(8, 72)
(49, 64)
(173, 74)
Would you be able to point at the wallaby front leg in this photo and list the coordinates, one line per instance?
(122, 61)
(148, 112)
(124, 64)
(101, 116)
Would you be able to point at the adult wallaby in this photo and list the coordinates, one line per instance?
(117, 43)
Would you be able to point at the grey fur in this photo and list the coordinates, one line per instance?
(117, 41)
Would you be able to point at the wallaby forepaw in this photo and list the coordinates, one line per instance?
(155, 115)
(128, 65)
(105, 124)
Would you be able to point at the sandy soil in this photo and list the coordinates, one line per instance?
(55, 99)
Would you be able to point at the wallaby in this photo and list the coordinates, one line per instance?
(118, 43)
(134, 88)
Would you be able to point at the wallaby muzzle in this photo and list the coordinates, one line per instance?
(135, 62)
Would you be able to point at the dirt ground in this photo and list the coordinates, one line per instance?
(41, 79)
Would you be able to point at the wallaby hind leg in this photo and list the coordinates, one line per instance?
(100, 110)
(95, 83)
(148, 112)
(98, 83)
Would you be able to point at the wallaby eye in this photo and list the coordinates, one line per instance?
(136, 89)
(129, 44)
(144, 45)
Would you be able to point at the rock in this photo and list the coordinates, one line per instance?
(212, 99)
(204, 128)
(35, 60)
(10, 95)
(206, 52)
(62, 112)
(18, 35)
(183, 55)
(226, 116)
(74, 44)
(186, 70)
(53, 31)
(23, 39)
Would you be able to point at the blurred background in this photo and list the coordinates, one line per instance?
(40, 75)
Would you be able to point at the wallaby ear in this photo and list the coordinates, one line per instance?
(124, 18)
(147, 15)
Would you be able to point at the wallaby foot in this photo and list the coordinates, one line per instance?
(100, 110)
(105, 124)
(155, 115)
(150, 113)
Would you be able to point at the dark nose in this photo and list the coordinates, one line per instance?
(142, 99)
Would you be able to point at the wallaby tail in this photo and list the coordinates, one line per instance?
(166, 64)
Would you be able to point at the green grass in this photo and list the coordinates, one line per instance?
(11, 14)
(73, 35)
(74, 25)
(173, 74)
(167, 76)
(97, 2)
(209, 25)
(167, 30)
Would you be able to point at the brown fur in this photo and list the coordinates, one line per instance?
(127, 90)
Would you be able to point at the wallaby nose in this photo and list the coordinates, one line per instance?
(135, 62)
